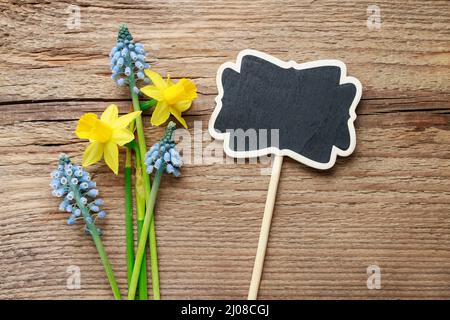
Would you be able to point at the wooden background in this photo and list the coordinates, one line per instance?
(388, 204)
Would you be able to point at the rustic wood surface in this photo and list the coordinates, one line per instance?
(388, 204)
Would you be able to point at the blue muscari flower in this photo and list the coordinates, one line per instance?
(85, 177)
(63, 205)
(77, 212)
(102, 214)
(84, 185)
(127, 59)
(176, 172)
(139, 65)
(154, 155)
(79, 192)
(92, 193)
(140, 75)
(169, 168)
(163, 155)
(55, 174)
(167, 157)
(121, 82)
(157, 163)
(58, 192)
(54, 183)
(79, 173)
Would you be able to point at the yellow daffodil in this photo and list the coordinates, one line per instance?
(173, 98)
(105, 135)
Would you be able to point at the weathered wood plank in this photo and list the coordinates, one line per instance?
(194, 37)
(387, 204)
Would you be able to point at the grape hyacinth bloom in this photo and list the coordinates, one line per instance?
(127, 60)
(163, 155)
(78, 192)
(73, 185)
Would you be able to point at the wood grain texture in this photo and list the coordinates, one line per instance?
(387, 204)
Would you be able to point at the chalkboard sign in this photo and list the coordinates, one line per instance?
(268, 106)
(304, 111)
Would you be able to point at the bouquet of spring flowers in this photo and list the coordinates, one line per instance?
(106, 134)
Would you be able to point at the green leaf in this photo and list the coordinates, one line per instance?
(145, 105)
(132, 144)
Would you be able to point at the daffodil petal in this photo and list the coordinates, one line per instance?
(121, 136)
(110, 114)
(92, 154)
(85, 125)
(160, 114)
(125, 120)
(152, 92)
(177, 114)
(182, 106)
(111, 153)
(157, 80)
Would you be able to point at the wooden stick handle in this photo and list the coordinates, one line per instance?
(265, 228)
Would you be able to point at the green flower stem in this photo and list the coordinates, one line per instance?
(140, 132)
(98, 243)
(129, 215)
(150, 205)
(154, 261)
(152, 242)
(147, 189)
(140, 213)
(142, 289)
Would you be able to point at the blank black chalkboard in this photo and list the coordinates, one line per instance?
(305, 111)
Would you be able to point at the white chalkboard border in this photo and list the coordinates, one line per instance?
(273, 150)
